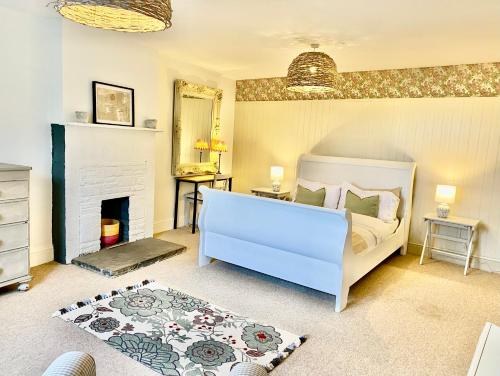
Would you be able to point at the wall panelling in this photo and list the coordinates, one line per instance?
(453, 140)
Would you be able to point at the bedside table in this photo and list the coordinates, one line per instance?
(269, 193)
(460, 223)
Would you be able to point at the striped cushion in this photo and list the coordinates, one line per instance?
(72, 363)
(248, 369)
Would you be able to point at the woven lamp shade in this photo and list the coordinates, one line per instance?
(312, 72)
(134, 16)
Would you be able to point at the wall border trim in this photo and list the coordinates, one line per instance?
(467, 80)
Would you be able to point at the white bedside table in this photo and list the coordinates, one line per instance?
(467, 224)
(269, 193)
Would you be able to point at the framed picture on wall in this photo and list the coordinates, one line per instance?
(113, 104)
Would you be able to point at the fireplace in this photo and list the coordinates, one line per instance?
(93, 180)
(117, 209)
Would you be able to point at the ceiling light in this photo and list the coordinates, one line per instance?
(312, 72)
(134, 16)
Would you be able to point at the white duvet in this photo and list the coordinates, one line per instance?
(372, 230)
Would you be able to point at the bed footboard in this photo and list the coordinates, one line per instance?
(299, 243)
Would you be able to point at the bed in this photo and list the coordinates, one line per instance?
(308, 245)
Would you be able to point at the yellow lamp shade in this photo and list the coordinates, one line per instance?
(445, 194)
(277, 173)
(219, 146)
(201, 145)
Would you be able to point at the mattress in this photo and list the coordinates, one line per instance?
(367, 232)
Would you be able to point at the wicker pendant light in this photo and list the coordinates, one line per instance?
(312, 72)
(134, 16)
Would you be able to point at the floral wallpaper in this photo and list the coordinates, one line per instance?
(472, 80)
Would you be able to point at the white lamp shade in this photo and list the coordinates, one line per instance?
(445, 194)
(277, 173)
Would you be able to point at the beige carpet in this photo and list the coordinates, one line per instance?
(402, 319)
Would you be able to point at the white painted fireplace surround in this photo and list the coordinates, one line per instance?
(105, 182)
(101, 163)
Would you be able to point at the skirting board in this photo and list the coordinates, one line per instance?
(41, 256)
(163, 225)
(478, 262)
(46, 254)
(168, 224)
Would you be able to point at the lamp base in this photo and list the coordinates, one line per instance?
(218, 166)
(276, 186)
(443, 210)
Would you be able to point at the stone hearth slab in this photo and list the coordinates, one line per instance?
(125, 258)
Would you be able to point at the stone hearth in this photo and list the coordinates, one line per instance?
(122, 259)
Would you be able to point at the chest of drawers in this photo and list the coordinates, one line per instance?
(14, 225)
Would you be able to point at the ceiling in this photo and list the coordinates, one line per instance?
(259, 38)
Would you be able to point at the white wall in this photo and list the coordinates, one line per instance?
(452, 140)
(48, 67)
(30, 99)
(118, 58)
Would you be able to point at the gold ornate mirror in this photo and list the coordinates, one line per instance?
(196, 125)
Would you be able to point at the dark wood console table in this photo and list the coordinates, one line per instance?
(196, 180)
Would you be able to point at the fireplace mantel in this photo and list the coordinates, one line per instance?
(106, 126)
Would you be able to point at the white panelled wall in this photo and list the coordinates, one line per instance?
(452, 140)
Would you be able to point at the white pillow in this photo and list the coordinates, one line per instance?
(388, 204)
(332, 195)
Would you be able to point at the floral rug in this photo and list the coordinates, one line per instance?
(176, 334)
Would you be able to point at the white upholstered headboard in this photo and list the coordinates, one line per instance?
(364, 173)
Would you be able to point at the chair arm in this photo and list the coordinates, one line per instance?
(72, 363)
(248, 369)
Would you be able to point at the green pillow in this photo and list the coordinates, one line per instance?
(366, 206)
(308, 197)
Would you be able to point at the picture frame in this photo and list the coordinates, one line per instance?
(113, 104)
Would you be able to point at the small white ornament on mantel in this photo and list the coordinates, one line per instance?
(82, 116)
(150, 123)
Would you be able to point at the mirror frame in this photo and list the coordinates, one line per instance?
(201, 91)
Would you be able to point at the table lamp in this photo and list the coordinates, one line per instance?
(445, 195)
(277, 173)
(201, 145)
(220, 147)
